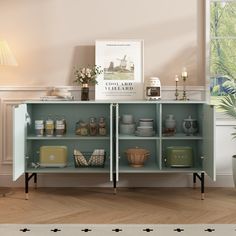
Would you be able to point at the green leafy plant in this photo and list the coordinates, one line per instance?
(228, 106)
(87, 75)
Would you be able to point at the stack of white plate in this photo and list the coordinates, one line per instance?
(145, 128)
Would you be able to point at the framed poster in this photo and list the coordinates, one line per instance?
(122, 65)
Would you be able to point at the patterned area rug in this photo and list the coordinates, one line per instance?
(118, 229)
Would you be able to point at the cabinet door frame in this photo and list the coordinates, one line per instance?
(111, 142)
(117, 142)
(19, 136)
(208, 129)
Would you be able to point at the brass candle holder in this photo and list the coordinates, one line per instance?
(176, 87)
(184, 76)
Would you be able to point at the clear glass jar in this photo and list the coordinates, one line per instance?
(49, 127)
(81, 128)
(102, 126)
(93, 126)
(39, 127)
(60, 127)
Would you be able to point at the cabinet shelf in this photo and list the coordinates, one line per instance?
(149, 167)
(183, 136)
(69, 169)
(180, 170)
(133, 137)
(67, 137)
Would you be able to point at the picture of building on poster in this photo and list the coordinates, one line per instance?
(119, 69)
(121, 62)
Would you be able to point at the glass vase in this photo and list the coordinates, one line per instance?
(85, 92)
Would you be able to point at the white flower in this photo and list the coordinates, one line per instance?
(83, 70)
(88, 71)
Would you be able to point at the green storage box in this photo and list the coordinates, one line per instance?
(179, 156)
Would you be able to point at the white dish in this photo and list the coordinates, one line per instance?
(143, 134)
(127, 128)
(146, 122)
(146, 119)
(145, 128)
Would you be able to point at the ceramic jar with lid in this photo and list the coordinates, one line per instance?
(190, 126)
(92, 126)
(81, 128)
(170, 125)
(170, 122)
(102, 126)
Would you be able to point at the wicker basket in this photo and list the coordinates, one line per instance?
(137, 156)
(90, 159)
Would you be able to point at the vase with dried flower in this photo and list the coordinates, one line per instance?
(85, 77)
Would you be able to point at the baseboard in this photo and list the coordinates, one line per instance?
(126, 180)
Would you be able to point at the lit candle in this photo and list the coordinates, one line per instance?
(184, 72)
(176, 78)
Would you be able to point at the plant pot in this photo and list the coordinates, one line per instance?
(234, 168)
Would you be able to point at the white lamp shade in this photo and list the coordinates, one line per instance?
(6, 56)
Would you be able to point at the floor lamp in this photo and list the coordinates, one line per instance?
(6, 59)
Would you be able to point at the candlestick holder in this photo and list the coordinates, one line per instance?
(176, 89)
(184, 77)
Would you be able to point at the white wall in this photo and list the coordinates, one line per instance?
(49, 37)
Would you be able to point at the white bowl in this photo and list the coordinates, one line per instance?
(146, 122)
(144, 134)
(127, 119)
(127, 128)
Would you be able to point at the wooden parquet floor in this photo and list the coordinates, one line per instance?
(129, 206)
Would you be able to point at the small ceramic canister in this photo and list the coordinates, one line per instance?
(170, 122)
(190, 126)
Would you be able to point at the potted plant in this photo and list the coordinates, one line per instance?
(228, 106)
(85, 77)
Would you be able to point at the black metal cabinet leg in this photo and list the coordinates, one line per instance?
(194, 180)
(35, 180)
(27, 179)
(114, 182)
(202, 186)
(26, 186)
(202, 179)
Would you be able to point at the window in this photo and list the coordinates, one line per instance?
(222, 61)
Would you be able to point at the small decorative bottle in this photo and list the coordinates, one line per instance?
(93, 126)
(102, 126)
